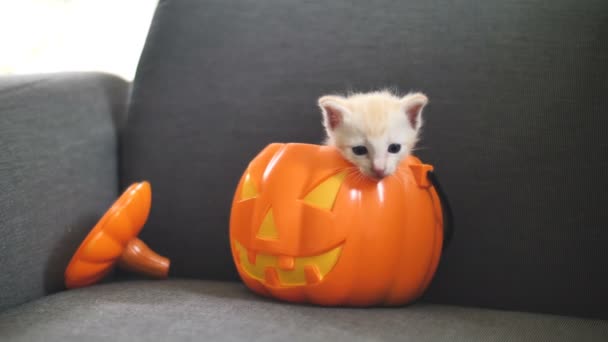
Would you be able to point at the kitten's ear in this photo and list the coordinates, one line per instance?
(334, 111)
(412, 106)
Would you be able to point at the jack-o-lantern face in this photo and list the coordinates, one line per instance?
(307, 227)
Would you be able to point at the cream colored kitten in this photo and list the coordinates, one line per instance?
(374, 131)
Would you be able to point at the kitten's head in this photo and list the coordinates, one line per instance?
(374, 131)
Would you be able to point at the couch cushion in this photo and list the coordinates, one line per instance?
(58, 173)
(179, 310)
(515, 126)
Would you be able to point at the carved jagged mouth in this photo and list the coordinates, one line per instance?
(277, 271)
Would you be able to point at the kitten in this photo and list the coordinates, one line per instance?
(375, 130)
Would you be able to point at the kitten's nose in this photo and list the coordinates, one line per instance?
(379, 172)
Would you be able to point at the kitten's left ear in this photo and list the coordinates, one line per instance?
(412, 106)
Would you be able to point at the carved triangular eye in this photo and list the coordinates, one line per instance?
(268, 230)
(324, 195)
(249, 189)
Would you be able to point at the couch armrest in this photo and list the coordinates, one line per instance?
(58, 173)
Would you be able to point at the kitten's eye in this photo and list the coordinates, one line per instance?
(360, 150)
(394, 148)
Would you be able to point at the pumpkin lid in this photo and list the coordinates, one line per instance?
(112, 236)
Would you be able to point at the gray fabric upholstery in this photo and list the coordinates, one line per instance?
(515, 127)
(58, 173)
(180, 310)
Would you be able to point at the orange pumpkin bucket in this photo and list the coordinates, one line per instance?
(114, 240)
(307, 227)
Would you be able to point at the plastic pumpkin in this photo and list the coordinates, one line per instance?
(307, 227)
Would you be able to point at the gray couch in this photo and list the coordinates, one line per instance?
(516, 129)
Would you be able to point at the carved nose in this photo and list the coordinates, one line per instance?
(379, 172)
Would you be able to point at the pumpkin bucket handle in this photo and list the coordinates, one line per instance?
(446, 209)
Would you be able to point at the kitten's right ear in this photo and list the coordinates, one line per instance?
(334, 111)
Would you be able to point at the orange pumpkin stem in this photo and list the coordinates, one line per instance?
(138, 257)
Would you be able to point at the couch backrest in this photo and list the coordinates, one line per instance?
(515, 127)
